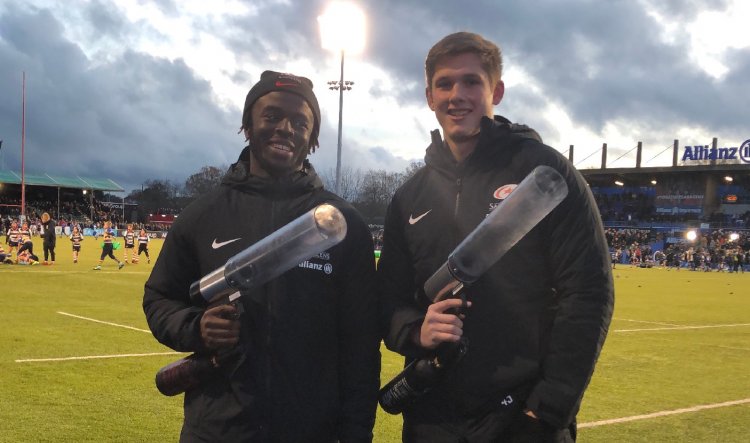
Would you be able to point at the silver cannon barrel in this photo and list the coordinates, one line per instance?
(535, 197)
(311, 233)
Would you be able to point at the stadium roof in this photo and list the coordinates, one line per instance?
(56, 181)
(643, 176)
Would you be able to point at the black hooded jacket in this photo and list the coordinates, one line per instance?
(50, 238)
(310, 364)
(539, 316)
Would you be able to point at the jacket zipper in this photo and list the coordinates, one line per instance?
(269, 348)
(458, 198)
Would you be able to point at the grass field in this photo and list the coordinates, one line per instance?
(78, 360)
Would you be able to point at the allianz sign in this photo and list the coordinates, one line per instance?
(696, 153)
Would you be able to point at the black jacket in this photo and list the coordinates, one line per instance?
(50, 238)
(311, 362)
(539, 315)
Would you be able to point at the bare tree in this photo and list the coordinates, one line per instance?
(412, 169)
(156, 196)
(377, 189)
(351, 182)
(208, 178)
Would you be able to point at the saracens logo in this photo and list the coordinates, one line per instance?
(504, 191)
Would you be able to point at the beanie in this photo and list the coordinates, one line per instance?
(278, 81)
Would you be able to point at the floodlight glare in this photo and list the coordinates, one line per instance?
(691, 235)
(342, 28)
(734, 236)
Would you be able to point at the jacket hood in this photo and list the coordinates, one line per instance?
(495, 132)
(296, 183)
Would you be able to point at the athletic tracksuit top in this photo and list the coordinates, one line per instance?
(539, 315)
(310, 364)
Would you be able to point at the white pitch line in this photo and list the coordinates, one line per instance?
(682, 328)
(647, 322)
(662, 413)
(92, 357)
(104, 322)
(55, 271)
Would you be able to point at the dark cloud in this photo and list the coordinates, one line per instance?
(599, 64)
(104, 20)
(132, 116)
(685, 10)
(132, 119)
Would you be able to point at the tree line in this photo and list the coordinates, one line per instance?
(369, 191)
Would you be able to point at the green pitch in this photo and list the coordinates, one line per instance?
(78, 361)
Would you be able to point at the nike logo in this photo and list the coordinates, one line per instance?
(413, 220)
(217, 245)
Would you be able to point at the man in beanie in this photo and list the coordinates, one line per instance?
(304, 359)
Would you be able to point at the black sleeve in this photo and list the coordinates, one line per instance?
(400, 313)
(585, 299)
(359, 338)
(173, 320)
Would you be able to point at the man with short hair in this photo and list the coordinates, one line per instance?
(537, 319)
(308, 341)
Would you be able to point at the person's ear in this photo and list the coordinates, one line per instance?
(248, 132)
(497, 94)
(430, 101)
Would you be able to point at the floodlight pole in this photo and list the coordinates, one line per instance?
(23, 147)
(341, 112)
(341, 86)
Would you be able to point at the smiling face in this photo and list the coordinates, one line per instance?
(461, 93)
(282, 124)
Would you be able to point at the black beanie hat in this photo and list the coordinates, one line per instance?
(278, 81)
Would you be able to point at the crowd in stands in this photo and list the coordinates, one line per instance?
(76, 211)
(639, 205)
(626, 207)
(714, 249)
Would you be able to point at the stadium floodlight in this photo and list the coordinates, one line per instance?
(691, 235)
(342, 29)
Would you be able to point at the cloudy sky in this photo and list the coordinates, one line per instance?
(140, 90)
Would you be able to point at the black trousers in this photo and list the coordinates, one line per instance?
(49, 250)
(107, 252)
(27, 246)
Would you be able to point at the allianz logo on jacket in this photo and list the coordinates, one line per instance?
(327, 268)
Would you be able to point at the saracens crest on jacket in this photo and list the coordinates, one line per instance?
(501, 194)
